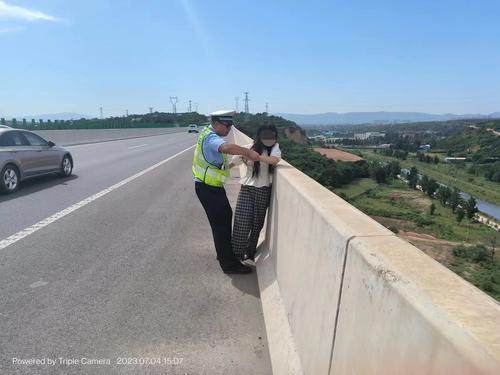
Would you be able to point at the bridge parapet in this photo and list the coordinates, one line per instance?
(342, 294)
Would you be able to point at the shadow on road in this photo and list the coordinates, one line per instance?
(246, 283)
(36, 184)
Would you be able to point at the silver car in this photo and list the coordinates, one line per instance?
(24, 154)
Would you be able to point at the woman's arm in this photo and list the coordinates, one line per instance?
(272, 160)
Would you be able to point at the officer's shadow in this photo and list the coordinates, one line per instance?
(246, 283)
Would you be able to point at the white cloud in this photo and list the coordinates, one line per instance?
(20, 13)
(8, 30)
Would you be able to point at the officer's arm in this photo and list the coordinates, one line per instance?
(233, 149)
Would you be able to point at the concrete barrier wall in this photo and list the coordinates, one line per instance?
(357, 299)
(81, 136)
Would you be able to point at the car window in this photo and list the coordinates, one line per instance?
(35, 140)
(13, 138)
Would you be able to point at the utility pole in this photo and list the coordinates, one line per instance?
(237, 103)
(151, 109)
(173, 101)
(246, 102)
(189, 107)
(100, 111)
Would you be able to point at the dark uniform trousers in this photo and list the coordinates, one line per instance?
(219, 213)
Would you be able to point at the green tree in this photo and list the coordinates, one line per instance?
(470, 208)
(413, 177)
(454, 199)
(380, 175)
(460, 215)
(432, 186)
(424, 182)
(432, 209)
(443, 194)
(394, 169)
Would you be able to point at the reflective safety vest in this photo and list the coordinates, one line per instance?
(204, 171)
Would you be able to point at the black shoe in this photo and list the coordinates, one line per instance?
(239, 269)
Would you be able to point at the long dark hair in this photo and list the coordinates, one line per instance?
(259, 147)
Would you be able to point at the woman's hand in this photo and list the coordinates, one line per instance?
(273, 160)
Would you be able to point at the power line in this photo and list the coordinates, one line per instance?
(173, 101)
(246, 102)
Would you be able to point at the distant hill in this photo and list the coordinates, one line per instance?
(287, 129)
(479, 141)
(351, 118)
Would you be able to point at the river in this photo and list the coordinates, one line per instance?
(490, 209)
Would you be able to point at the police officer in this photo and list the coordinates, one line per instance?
(210, 171)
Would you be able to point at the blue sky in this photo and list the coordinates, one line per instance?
(300, 56)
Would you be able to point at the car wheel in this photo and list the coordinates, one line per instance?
(66, 166)
(9, 179)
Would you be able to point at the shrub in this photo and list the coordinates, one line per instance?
(423, 221)
(432, 209)
(393, 229)
(477, 253)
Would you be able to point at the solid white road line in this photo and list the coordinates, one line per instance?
(145, 144)
(43, 223)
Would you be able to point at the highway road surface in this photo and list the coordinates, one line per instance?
(113, 271)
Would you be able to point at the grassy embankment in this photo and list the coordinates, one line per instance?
(407, 212)
(448, 174)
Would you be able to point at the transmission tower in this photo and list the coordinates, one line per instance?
(196, 107)
(173, 101)
(246, 102)
(189, 107)
(267, 108)
(100, 111)
(237, 103)
(151, 109)
(126, 112)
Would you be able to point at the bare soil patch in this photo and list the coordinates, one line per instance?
(334, 154)
(440, 250)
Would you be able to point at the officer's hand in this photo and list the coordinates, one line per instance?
(253, 155)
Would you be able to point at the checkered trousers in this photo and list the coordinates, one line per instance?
(249, 219)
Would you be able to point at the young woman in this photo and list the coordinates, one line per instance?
(255, 192)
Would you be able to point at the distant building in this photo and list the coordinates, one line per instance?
(385, 145)
(317, 138)
(424, 148)
(368, 135)
(454, 160)
(409, 136)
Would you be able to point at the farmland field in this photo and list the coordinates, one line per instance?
(335, 154)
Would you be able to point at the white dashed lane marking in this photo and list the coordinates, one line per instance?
(43, 223)
(145, 144)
